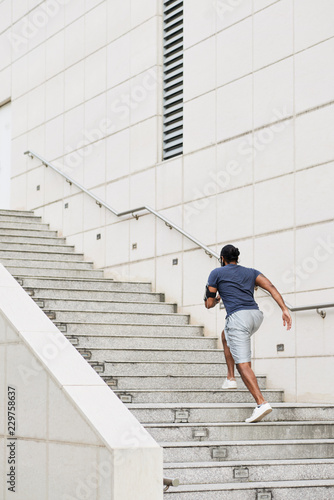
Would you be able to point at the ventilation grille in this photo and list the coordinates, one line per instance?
(173, 78)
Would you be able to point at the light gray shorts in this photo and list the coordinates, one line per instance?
(239, 328)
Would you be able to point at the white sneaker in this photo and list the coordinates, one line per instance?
(259, 412)
(229, 384)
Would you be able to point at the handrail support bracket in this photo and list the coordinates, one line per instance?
(322, 313)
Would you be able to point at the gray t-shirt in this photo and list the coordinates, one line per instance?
(235, 285)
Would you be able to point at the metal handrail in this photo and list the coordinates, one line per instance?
(133, 211)
(169, 223)
(318, 307)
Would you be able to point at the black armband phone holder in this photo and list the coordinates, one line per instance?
(209, 294)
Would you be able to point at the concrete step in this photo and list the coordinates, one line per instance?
(135, 382)
(46, 264)
(229, 412)
(282, 449)
(127, 342)
(18, 213)
(25, 225)
(23, 233)
(158, 354)
(241, 431)
(113, 296)
(4, 217)
(93, 305)
(194, 396)
(119, 317)
(89, 284)
(18, 272)
(126, 330)
(39, 247)
(271, 490)
(165, 368)
(250, 471)
(25, 239)
(45, 256)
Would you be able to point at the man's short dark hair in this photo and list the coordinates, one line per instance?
(230, 253)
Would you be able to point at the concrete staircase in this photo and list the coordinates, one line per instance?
(170, 375)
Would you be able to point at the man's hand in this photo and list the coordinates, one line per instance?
(287, 320)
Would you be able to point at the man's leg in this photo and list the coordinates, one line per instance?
(229, 359)
(250, 382)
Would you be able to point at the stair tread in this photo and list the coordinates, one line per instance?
(245, 463)
(170, 362)
(149, 391)
(36, 245)
(129, 292)
(103, 301)
(14, 269)
(26, 224)
(75, 279)
(134, 313)
(76, 322)
(156, 337)
(255, 442)
(8, 217)
(44, 229)
(148, 349)
(254, 485)
(50, 252)
(171, 377)
(65, 278)
(37, 261)
(33, 237)
(226, 405)
(240, 424)
(24, 213)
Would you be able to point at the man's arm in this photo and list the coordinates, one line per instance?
(263, 282)
(212, 301)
